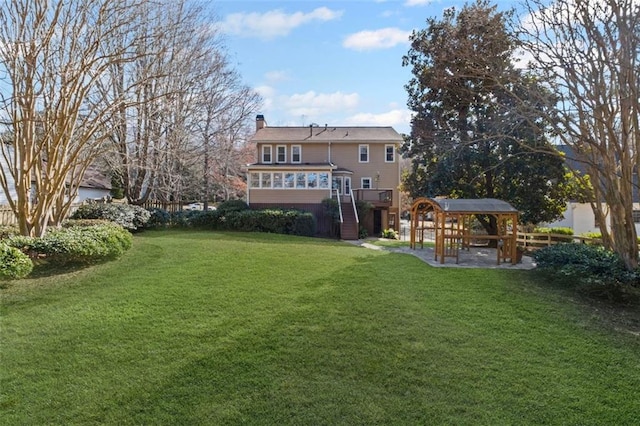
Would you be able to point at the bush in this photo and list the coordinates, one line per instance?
(159, 218)
(182, 219)
(390, 233)
(279, 221)
(128, 216)
(331, 209)
(14, 264)
(7, 231)
(205, 219)
(231, 206)
(76, 244)
(557, 230)
(70, 223)
(590, 269)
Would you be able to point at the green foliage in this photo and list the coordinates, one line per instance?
(556, 230)
(390, 234)
(363, 208)
(231, 206)
(277, 221)
(211, 219)
(591, 269)
(14, 264)
(471, 135)
(159, 218)
(69, 223)
(362, 232)
(331, 209)
(76, 244)
(8, 231)
(182, 219)
(128, 216)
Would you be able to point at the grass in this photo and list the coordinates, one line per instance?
(215, 328)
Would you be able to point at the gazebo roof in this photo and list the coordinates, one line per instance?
(474, 205)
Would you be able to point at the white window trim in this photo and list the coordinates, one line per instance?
(299, 156)
(278, 154)
(362, 182)
(360, 151)
(270, 154)
(393, 159)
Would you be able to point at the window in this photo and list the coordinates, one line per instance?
(636, 216)
(288, 180)
(277, 180)
(365, 183)
(364, 153)
(301, 180)
(281, 154)
(266, 180)
(324, 180)
(266, 153)
(296, 154)
(292, 180)
(312, 180)
(389, 153)
(255, 180)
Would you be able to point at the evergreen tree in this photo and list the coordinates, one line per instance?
(471, 136)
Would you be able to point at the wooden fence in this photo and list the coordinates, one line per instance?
(7, 217)
(536, 240)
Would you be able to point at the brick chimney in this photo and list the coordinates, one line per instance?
(260, 123)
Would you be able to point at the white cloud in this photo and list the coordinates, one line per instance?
(274, 23)
(417, 2)
(276, 76)
(314, 104)
(398, 118)
(379, 39)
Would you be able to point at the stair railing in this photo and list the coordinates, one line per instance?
(355, 211)
(339, 205)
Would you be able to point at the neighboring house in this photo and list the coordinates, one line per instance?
(298, 167)
(580, 216)
(95, 185)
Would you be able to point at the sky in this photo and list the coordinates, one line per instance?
(329, 62)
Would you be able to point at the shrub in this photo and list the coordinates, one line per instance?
(128, 216)
(390, 233)
(14, 264)
(158, 218)
(180, 219)
(557, 230)
(330, 208)
(279, 221)
(7, 231)
(70, 223)
(231, 206)
(591, 269)
(76, 244)
(205, 219)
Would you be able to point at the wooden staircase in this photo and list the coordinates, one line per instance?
(349, 226)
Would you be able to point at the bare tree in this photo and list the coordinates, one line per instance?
(590, 49)
(225, 108)
(52, 55)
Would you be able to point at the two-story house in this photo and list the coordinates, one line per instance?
(298, 167)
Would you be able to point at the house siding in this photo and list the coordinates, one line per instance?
(333, 150)
(288, 196)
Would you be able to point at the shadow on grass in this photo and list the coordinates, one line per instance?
(616, 308)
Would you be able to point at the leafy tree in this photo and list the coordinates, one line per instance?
(590, 52)
(470, 136)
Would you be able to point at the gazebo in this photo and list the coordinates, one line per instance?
(450, 221)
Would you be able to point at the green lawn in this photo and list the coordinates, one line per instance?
(228, 328)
